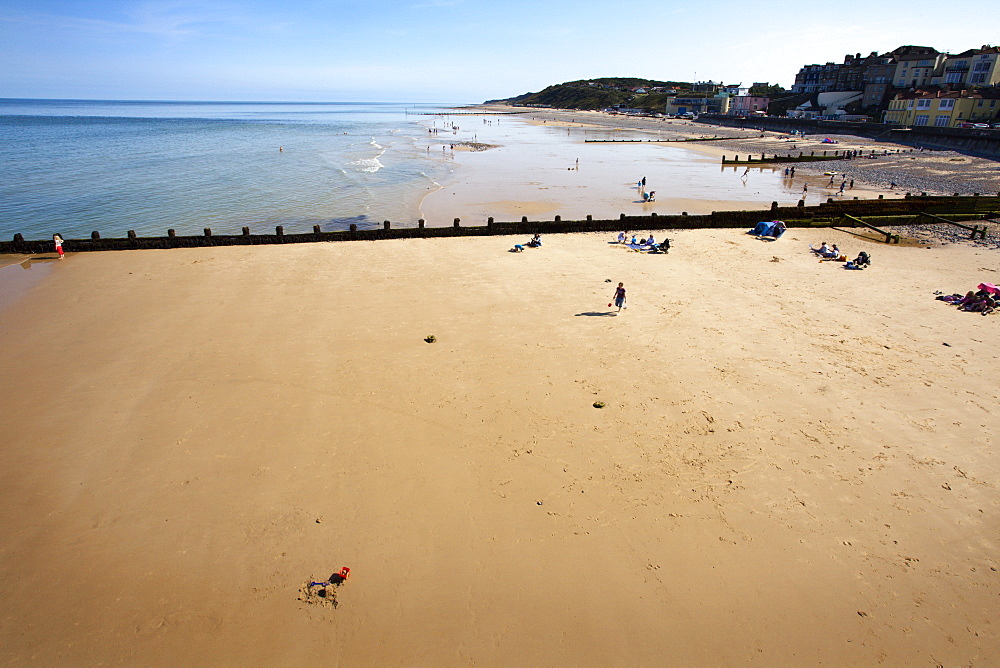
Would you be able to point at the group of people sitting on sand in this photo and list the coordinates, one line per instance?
(984, 300)
(535, 242)
(826, 252)
(645, 244)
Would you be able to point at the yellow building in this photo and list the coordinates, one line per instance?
(943, 109)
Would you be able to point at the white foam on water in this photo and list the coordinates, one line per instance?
(370, 165)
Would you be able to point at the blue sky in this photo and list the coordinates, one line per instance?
(451, 51)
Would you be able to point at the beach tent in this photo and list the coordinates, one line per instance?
(774, 228)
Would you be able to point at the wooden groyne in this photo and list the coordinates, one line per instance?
(974, 141)
(831, 213)
(802, 157)
(652, 141)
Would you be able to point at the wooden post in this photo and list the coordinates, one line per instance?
(385, 225)
(208, 231)
(621, 217)
(280, 230)
(524, 219)
(95, 235)
(558, 219)
(246, 231)
(420, 223)
(131, 234)
(171, 233)
(589, 217)
(457, 221)
(315, 229)
(18, 238)
(354, 227)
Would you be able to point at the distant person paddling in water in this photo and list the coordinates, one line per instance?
(620, 297)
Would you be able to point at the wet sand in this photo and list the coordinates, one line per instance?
(795, 464)
(543, 166)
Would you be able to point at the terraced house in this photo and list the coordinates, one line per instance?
(975, 67)
(946, 109)
(887, 81)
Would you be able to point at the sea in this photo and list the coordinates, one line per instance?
(75, 166)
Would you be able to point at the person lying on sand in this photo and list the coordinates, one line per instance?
(984, 305)
(860, 262)
(826, 252)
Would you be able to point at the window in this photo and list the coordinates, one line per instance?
(941, 121)
(978, 78)
(953, 77)
(946, 104)
(909, 104)
(924, 104)
(981, 67)
(921, 119)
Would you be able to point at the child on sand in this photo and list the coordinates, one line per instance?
(58, 241)
(620, 297)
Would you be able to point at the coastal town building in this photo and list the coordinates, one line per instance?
(975, 67)
(945, 109)
(915, 65)
(878, 81)
(695, 104)
(748, 105)
(882, 79)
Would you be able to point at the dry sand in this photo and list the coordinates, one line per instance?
(791, 466)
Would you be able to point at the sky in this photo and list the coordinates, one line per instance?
(442, 51)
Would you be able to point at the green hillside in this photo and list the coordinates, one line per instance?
(590, 94)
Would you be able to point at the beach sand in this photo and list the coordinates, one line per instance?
(795, 464)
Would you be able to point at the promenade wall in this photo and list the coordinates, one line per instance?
(974, 141)
(881, 211)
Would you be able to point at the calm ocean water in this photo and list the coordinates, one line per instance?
(73, 166)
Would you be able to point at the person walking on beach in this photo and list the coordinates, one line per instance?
(643, 182)
(620, 297)
(58, 241)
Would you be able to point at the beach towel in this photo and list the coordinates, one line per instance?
(989, 287)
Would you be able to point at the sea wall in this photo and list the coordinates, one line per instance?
(974, 141)
(882, 211)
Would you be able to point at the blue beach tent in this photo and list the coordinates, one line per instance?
(774, 228)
